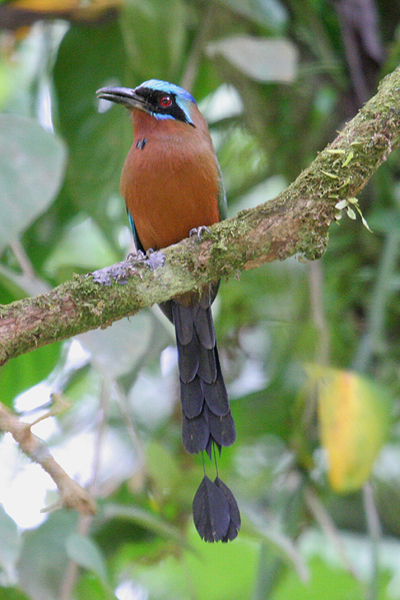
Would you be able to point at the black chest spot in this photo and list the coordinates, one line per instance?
(141, 143)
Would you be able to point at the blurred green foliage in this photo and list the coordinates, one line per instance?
(276, 79)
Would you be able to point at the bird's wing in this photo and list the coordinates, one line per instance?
(138, 243)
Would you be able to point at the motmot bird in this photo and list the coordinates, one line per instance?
(172, 185)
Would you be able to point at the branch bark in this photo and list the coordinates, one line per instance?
(296, 221)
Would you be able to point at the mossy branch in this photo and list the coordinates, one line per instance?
(296, 221)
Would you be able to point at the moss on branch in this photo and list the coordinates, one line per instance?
(296, 221)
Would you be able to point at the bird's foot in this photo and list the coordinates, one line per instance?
(198, 231)
(119, 272)
(138, 256)
(153, 259)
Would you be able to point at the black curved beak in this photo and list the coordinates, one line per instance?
(120, 95)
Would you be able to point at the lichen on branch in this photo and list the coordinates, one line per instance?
(296, 221)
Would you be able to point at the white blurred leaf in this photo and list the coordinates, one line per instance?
(84, 246)
(42, 563)
(9, 544)
(341, 204)
(271, 13)
(351, 214)
(31, 169)
(118, 348)
(265, 60)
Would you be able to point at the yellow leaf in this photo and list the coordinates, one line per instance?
(353, 417)
(53, 6)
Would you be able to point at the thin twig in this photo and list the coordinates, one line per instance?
(374, 530)
(130, 428)
(327, 525)
(371, 339)
(72, 495)
(318, 311)
(102, 413)
(22, 258)
(193, 61)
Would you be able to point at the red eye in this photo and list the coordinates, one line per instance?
(165, 101)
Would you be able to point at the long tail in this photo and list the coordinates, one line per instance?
(206, 416)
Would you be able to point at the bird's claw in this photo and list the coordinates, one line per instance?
(153, 259)
(138, 256)
(198, 231)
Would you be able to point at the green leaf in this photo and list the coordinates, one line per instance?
(167, 20)
(12, 594)
(264, 412)
(326, 582)
(31, 169)
(86, 553)
(25, 371)
(147, 520)
(97, 143)
(89, 587)
(162, 467)
(224, 570)
(121, 347)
